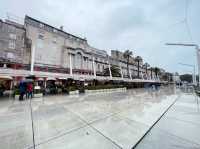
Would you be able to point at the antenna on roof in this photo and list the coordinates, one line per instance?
(61, 27)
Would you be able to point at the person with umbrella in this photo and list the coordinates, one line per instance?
(30, 89)
(22, 89)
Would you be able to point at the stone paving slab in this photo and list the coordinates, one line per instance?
(185, 130)
(159, 139)
(124, 132)
(15, 126)
(148, 113)
(90, 111)
(52, 121)
(113, 120)
(84, 138)
(179, 128)
(184, 113)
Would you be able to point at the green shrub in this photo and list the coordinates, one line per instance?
(16, 92)
(103, 87)
(69, 89)
(72, 88)
(38, 91)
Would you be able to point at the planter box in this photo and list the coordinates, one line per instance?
(16, 97)
(38, 95)
(106, 90)
(74, 92)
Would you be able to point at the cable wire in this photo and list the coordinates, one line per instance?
(186, 20)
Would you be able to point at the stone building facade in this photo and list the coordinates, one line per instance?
(49, 51)
(13, 49)
(55, 48)
(119, 60)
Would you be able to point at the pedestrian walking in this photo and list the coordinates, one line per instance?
(22, 90)
(30, 90)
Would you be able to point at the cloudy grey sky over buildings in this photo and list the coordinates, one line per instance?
(142, 26)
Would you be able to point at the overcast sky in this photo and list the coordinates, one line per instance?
(142, 26)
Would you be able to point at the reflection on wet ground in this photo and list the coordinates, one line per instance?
(102, 120)
(179, 128)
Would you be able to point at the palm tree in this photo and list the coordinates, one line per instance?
(146, 65)
(157, 71)
(115, 71)
(127, 55)
(138, 59)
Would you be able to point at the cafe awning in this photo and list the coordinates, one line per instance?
(51, 79)
(40, 79)
(5, 77)
(62, 78)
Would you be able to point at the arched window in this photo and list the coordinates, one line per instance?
(79, 60)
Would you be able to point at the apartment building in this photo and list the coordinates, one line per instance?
(13, 50)
(45, 51)
(63, 52)
(118, 59)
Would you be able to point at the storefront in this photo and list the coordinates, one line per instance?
(6, 84)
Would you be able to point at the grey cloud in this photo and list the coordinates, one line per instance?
(125, 18)
(139, 25)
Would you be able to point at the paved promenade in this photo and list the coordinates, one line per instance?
(101, 121)
(179, 128)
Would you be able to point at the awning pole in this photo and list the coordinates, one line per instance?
(32, 59)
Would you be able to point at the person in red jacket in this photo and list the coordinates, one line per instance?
(30, 90)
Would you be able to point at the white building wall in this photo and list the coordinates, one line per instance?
(47, 51)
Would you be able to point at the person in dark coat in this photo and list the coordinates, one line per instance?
(22, 90)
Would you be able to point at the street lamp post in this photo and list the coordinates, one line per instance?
(138, 65)
(109, 68)
(146, 67)
(32, 59)
(94, 67)
(110, 72)
(197, 53)
(151, 73)
(70, 64)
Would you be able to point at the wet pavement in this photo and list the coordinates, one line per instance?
(103, 120)
(179, 128)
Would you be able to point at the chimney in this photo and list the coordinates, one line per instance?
(61, 28)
